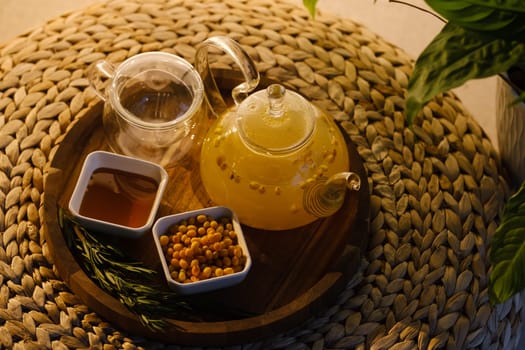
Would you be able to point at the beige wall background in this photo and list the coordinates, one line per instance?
(17, 16)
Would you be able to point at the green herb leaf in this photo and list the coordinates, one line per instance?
(501, 18)
(310, 6)
(455, 56)
(507, 255)
(127, 279)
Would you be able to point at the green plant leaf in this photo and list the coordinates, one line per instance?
(455, 56)
(507, 255)
(501, 18)
(310, 6)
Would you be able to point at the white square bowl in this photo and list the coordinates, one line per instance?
(101, 159)
(162, 227)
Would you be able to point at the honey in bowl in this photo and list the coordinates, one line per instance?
(119, 197)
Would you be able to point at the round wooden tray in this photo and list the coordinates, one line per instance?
(295, 273)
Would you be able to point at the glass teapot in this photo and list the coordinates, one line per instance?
(274, 158)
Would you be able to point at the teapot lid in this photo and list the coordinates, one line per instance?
(275, 120)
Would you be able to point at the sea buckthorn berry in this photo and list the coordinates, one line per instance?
(235, 261)
(183, 263)
(182, 275)
(200, 248)
(206, 272)
(217, 237)
(237, 252)
(164, 240)
(227, 242)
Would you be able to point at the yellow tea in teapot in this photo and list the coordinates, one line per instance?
(267, 190)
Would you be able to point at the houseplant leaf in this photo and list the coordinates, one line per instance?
(310, 5)
(501, 18)
(507, 255)
(455, 56)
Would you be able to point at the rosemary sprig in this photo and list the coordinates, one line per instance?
(127, 279)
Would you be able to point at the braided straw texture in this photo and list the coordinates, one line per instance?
(436, 189)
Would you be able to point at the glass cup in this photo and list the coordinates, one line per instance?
(153, 106)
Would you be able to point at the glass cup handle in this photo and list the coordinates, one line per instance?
(240, 57)
(97, 74)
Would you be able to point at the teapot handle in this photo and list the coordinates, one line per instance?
(240, 57)
(97, 73)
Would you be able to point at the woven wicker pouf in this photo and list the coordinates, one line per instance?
(436, 188)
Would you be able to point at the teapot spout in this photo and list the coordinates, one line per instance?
(325, 197)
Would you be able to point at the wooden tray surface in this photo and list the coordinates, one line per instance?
(295, 273)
